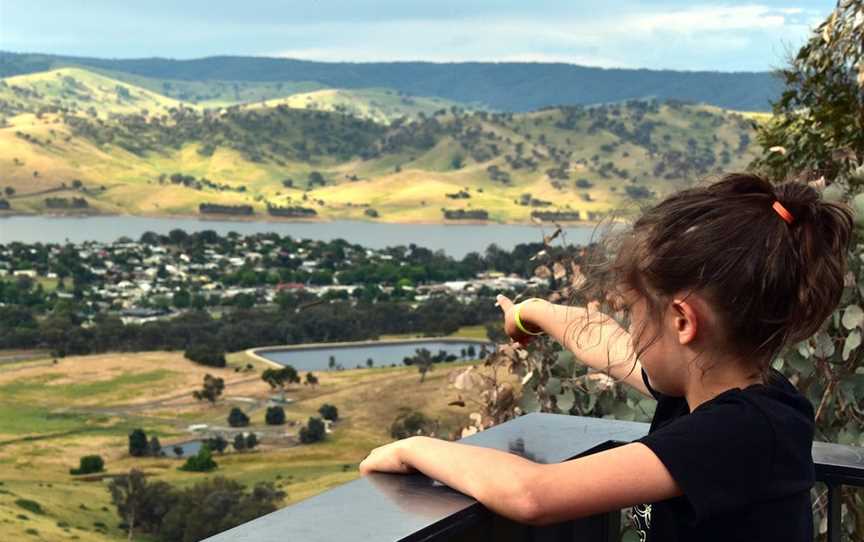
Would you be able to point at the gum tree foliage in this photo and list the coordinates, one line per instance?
(313, 432)
(200, 462)
(89, 464)
(279, 379)
(169, 514)
(211, 389)
(329, 412)
(138, 445)
(237, 418)
(817, 131)
(217, 443)
(275, 415)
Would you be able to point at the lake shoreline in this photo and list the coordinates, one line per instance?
(282, 353)
(454, 239)
(269, 219)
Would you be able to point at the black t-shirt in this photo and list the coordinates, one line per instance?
(743, 461)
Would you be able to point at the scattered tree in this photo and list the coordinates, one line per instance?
(329, 412)
(89, 464)
(313, 432)
(154, 447)
(211, 390)
(128, 495)
(275, 415)
(200, 462)
(138, 445)
(279, 379)
(409, 423)
(217, 443)
(206, 354)
(237, 418)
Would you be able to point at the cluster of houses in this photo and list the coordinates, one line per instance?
(129, 275)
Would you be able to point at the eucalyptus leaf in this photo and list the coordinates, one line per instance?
(824, 346)
(648, 406)
(565, 401)
(858, 379)
(566, 362)
(528, 402)
(833, 193)
(592, 402)
(553, 386)
(858, 208)
(853, 341)
(623, 412)
(853, 317)
(803, 365)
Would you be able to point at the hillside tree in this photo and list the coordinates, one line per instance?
(211, 389)
(279, 379)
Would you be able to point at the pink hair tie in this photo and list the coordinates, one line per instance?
(783, 212)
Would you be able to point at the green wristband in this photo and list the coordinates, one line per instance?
(519, 320)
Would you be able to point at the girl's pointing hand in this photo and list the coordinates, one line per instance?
(509, 310)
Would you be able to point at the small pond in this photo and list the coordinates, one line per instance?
(190, 448)
(382, 353)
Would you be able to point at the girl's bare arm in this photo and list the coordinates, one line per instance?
(540, 494)
(602, 344)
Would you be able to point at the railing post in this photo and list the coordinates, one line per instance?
(835, 502)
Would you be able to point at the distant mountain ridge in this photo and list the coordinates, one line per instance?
(506, 86)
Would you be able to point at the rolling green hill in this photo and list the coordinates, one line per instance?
(505, 86)
(172, 158)
(214, 92)
(380, 105)
(75, 90)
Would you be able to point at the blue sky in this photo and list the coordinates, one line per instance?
(674, 34)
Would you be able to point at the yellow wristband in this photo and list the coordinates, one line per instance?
(519, 320)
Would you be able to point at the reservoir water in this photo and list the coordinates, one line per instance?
(456, 240)
(350, 355)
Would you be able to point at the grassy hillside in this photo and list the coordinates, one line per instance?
(505, 86)
(78, 90)
(380, 105)
(51, 414)
(590, 160)
(214, 93)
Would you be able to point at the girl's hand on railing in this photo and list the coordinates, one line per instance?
(387, 458)
(510, 328)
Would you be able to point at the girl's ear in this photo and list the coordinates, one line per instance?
(685, 320)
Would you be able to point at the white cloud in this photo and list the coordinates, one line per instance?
(739, 38)
(707, 18)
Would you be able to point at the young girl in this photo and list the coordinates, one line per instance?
(716, 281)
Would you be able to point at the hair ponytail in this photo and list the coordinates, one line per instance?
(770, 282)
(819, 239)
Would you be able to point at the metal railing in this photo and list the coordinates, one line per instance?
(390, 508)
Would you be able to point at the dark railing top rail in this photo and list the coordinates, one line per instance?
(413, 507)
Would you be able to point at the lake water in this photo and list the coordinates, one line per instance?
(190, 448)
(456, 240)
(312, 358)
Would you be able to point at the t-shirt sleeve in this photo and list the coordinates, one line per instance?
(720, 455)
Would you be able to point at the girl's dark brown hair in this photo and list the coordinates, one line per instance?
(769, 282)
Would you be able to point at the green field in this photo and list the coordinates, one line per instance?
(51, 414)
